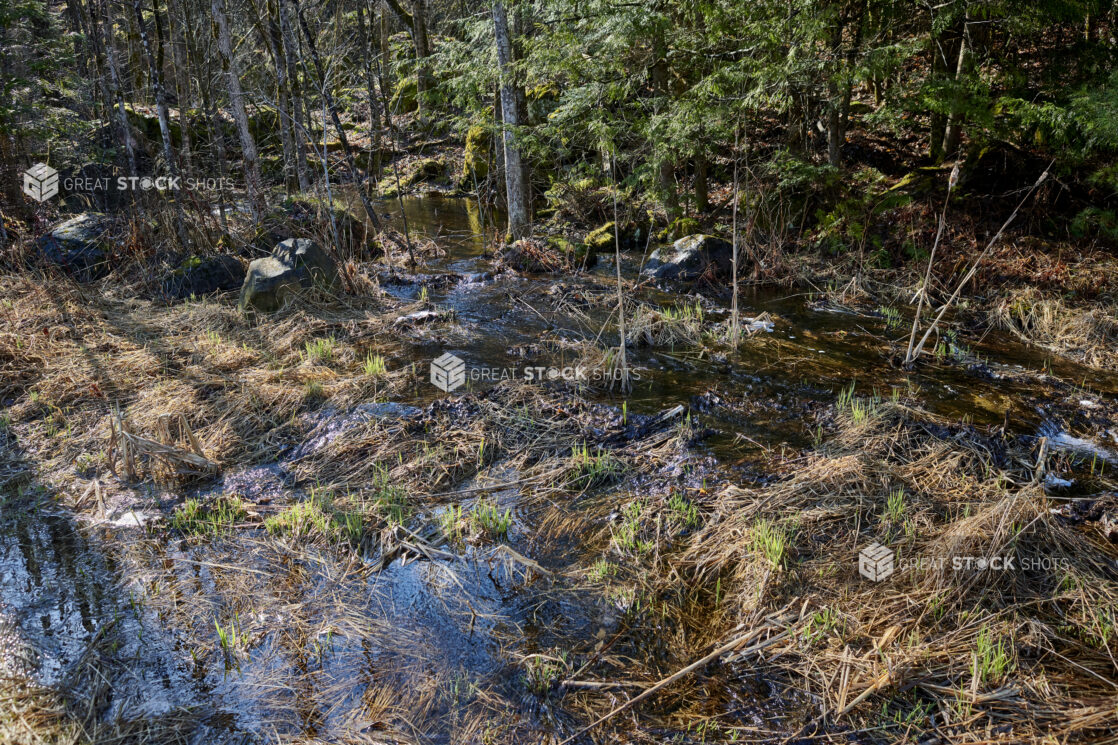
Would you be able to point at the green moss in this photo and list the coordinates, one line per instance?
(475, 163)
(427, 169)
(679, 228)
(264, 125)
(577, 255)
(405, 98)
(601, 239)
(190, 262)
(148, 125)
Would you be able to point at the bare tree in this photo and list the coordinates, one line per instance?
(117, 86)
(278, 8)
(331, 107)
(237, 102)
(156, 73)
(268, 29)
(516, 187)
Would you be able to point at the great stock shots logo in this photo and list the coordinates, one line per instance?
(876, 562)
(40, 182)
(448, 372)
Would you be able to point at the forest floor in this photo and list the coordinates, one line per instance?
(218, 525)
(325, 548)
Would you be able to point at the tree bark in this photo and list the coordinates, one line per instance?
(702, 192)
(253, 182)
(516, 192)
(268, 28)
(953, 132)
(328, 101)
(117, 86)
(364, 42)
(217, 134)
(665, 171)
(182, 82)
(164, 117)
(422, 51)
(298, 127)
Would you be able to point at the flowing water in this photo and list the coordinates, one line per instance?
(331, 649)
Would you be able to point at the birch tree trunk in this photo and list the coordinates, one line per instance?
(328, 103)
(253, 183)
(516, 192)
(117, 86)
(164, 117)
(298, 128)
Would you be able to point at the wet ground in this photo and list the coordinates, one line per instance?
(445, 649)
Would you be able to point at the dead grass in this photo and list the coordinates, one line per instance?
(1025, 654)
(1088, 335)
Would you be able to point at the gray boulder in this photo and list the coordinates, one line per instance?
(80, 246)
(295, 264)
(198, 276)
(691, 257)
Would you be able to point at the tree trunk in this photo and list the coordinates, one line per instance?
(515, 187)
(702, 193)
(217, 134)
(364, 41)
(943, 48)
(268, 28)
(382, 35)
(498, 152)
(953, 132)
(328, 102)
(101, 72)
(164, 117)
(665, 171)
(182, 82)
(835, 134)
(240, 116)
(422, 52)
(298, 127)
(106, 12)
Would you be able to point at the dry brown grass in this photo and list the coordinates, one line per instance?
(1088, 335)
(1021, 656)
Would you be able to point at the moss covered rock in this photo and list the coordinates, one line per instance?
(475, 163)
(576, 255)
(417, 172)
(405, 97)
(294, 265)
(691, 258)
(264, 125)
(80, 245)
(306, 216)
(630, 236)
(678, 228)
(199, 276)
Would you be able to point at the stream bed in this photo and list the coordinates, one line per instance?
(469, 642)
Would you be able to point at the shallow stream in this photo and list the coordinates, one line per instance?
(334, 651)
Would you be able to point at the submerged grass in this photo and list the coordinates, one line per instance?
(673, 570)
(946, 643)
(196, 517)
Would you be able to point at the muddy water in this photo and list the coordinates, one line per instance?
(329, 649)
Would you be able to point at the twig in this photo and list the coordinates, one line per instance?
(977, 262)
(727, 647)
